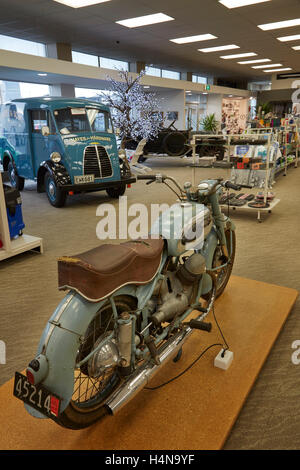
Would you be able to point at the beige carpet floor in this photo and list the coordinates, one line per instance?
(268, 252)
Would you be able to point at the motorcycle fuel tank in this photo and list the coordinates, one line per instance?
(184, 225)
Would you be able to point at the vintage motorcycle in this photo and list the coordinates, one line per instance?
(124, 314)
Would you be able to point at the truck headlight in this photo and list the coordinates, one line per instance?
(55, 157)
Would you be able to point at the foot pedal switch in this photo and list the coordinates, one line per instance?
(200, 325)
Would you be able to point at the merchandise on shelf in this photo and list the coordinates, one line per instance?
(14, 211)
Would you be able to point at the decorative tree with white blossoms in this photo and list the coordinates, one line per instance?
(134, 111)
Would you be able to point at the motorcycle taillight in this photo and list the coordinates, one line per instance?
(30, 377)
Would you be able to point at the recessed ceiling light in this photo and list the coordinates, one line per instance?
(80, 3)
(219, 48)
(42, 74)
(294, 37)
(256, 61)
(237, 56)
(279, 24)
(265, 66)
(146, 86)
(200, 37)
(205, 93)
(240, 3)
(145, 20)
(296, 48)
(277, 70)
(188, 91)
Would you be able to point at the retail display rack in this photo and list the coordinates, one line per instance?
(15, 246)
(256, 169)
(288, 138)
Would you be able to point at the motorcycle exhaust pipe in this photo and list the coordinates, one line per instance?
(130, 388)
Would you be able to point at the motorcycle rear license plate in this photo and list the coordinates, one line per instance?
(36, 396)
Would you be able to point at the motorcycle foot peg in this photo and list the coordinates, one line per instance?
(149, 341)
(178, 356)
(200, 325)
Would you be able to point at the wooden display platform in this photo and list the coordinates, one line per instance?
(198, 410)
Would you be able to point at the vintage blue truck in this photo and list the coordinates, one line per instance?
(66, 144)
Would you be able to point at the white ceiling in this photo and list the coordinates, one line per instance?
(93, 30)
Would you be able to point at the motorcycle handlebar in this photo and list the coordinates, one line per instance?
(146, 177)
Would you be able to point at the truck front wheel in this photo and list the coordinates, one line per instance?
(56, 196)
(16, 181)
(116, 191)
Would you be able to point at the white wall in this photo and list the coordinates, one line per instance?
(214, 105)
(173, 100)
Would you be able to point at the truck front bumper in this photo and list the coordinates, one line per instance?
(95, 186)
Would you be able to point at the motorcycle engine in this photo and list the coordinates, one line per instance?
(175, 291)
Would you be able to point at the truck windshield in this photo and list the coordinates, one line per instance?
(74, 120)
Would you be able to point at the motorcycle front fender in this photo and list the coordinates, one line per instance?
(207, 251)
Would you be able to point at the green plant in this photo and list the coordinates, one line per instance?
(265, 108)
(209, 123)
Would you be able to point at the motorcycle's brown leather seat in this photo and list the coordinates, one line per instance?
(98, 272)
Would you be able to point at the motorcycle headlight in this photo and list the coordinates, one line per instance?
(55, 157)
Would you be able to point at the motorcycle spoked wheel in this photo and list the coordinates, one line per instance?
(89, 394)
(223, 274)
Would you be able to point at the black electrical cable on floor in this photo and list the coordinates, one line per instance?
(184, 371)
(198, 358)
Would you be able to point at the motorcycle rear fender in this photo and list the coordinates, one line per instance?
(61, 338)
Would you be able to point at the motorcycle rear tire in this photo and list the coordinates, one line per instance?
(83, 416)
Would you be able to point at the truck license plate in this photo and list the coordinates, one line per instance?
(84, 179)
(36, 396)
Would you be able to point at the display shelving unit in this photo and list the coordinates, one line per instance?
(13, 247)
(268, 138)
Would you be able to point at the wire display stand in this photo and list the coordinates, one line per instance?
(13, 247)
(269, 171)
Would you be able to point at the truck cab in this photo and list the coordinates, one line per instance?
(67, 145)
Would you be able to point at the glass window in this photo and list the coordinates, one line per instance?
(153, 71)
(21, 45)
(85, 59)
(87, 93)
(99, 120)
(71, 120)
(198, 79)
(113, 64)
(31, 90)
(170, 74)
(38, 120)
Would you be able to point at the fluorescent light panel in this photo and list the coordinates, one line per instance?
(296, 48)
(277, 70)
(219, 48)
(200, 37)
(265, 66)
(279, 24)
(257, 61)
(294, 37)
(237, 56)
(240, 3)
(80, 3)
(145, 20)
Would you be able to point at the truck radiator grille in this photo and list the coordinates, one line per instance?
(96, 162)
